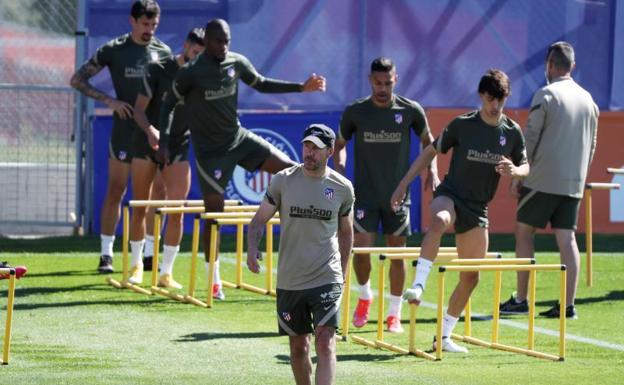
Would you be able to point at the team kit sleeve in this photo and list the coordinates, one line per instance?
(518, 152)
(535, 122)
(347, 205)
(347, 125)
(419, 123)
(252, 78)
(181, 86)
(103, 56)
(150, 80)
(447, 139)
(273, 194)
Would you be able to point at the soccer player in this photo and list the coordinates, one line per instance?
(315, 206)
(381, 124)
(486, 144)
(561, 141)
(125, 57)
(157, 81)
(209, 88)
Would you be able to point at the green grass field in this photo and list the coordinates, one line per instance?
(70, 327)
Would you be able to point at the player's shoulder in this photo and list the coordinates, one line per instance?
(288, 172)
(116, 43)
(510, 124)
(364, 102)
(236, 57)
(467, 117)
(402, 101)
(339, 179)
(157, 44)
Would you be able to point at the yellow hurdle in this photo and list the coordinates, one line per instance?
(389, 251)
(449, 258)
(612, 170)
(494, 343)
(9, 316)
(245, 219)
(589, 234)
(191, 206)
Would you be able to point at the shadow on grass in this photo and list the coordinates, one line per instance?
(207, 336)
(69, 273)
(35, 306)
(285, 359)
(40, 290)
(614, 295)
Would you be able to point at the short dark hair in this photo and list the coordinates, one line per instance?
(196, 36)
(496, 83)
(382, 64)
(561, 54)
(218, 25)
(149, 8)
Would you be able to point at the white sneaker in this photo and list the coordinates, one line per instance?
(136, 274)
(413, 295)
(448, 345)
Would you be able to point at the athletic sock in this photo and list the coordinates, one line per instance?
(169, 256)
(149, 245)
(395, 305)
(365, 291)
(136, 249)
(216, 277)
(448, 324)
(106, 244)
(423, 267)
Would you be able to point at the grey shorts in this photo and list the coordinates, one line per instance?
(537, 209)
(300, 311)
(216, 172)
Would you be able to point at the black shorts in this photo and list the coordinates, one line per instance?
(178, 149)
(120, 145)
(216, 172)
(300, 311)
(469, 214)
(537, 209)
(366, 218)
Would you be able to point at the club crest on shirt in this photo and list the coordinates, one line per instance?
(398, 118)
(231, 72)
(329, 193)
(122, 155)
(359, 214)
(286, 316)
(154, 56)
(502, 140)
(217, 173)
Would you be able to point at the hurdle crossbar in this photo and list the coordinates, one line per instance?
(447, 260)
(589, 233)
(612, 170)
(407, 253)
(6, 348)
(494, 343)
(124, 284)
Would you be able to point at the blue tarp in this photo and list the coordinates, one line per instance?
(441, 48)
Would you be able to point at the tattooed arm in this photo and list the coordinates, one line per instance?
(80, 81)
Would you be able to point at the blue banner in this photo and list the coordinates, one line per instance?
(283, 130)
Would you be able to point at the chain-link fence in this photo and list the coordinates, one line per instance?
(38, 163)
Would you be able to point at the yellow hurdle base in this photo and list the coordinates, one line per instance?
(114, 283)
(167, 293)
(136, 288)
(194, 301)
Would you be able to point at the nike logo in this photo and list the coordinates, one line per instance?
(328, 307)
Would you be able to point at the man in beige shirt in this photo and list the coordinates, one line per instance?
(315, 205)
(561, 141)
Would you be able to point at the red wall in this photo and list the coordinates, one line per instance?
(502, 212)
